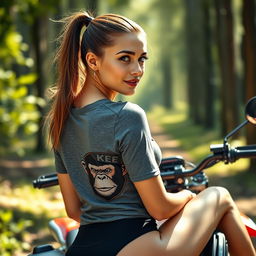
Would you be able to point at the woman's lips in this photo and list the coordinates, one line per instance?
(132, 82)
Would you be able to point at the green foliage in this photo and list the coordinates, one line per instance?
(118, 4)
(29, 9)
(12, 234)
(18, 109)
(18, 106)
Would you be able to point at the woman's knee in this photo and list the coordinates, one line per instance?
(222, 196)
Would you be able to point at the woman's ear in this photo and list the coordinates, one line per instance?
(92, 61)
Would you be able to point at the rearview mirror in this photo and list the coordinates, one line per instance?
(250, 110)
(250, 113)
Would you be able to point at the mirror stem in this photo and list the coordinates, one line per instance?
(234, 131)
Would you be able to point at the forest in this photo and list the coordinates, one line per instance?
(202, 54)
(202, 62)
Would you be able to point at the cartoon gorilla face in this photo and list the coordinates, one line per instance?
(106, 174)
(103, 182)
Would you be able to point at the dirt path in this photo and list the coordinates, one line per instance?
(168, 145)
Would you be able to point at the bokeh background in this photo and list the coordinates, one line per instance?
(200, 74)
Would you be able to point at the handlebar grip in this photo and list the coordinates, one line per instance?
(46, 181)
(243, 152)
(247, 147)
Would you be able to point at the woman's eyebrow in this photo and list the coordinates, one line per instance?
(130, 52)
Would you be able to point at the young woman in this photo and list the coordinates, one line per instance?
(107, 161)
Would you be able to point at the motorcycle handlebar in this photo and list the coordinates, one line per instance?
(45, 181)
(244, 152)
(220, 153)
(208, 161)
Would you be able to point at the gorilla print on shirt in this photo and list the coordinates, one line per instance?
(106, 173)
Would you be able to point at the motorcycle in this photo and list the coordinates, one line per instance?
(177, 174)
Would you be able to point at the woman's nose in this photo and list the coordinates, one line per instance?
(137, 70)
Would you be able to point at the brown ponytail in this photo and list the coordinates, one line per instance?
(71, 55)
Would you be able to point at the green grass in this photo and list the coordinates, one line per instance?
(27, 203)
(38, 206)
(30, 200)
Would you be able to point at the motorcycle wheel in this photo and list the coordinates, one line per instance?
(217, 246)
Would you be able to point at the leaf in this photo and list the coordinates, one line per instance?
(27, 79)
(20, 92)
(31, 99)
(6, 216)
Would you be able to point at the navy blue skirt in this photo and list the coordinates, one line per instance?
(109, 238)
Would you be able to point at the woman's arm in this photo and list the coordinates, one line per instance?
(159, 203)
(70, 197)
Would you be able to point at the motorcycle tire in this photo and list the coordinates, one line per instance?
(217, 245)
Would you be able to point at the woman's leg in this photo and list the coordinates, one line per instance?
(235, 231)
(188, 232)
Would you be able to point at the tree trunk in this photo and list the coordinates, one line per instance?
(165, 54)
(93, 5)
(249, 57)
(167, 78)
(198, 63)
(39, 39)
(209, 119)
(228, 90)
(89, 5)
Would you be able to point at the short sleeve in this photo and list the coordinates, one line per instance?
(59, 165)
(136, 144)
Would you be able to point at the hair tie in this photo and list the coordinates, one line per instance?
(88, 20)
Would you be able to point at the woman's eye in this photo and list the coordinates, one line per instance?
(125, 58)
(143, 58)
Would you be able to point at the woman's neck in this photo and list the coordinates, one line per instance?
(93, 90)
(88, 95)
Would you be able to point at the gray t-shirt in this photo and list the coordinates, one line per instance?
(105, 147)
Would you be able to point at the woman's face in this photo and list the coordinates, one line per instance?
(123, 64)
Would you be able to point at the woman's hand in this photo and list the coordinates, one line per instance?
(189, 193)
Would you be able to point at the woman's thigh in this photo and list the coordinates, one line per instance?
(148, 244)
(186, 233)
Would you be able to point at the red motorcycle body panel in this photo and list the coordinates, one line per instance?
(249, 224)
(66, 224)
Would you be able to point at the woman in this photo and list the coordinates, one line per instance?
(107, 161)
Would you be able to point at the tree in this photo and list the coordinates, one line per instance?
(209, 114)
(249, 58)
(199, 62)
(166, 13)
(87, 5)
(228, 90)
(35, 14)
(164, 8)
(15, 88)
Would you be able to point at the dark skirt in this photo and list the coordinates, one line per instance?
(109, 238)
